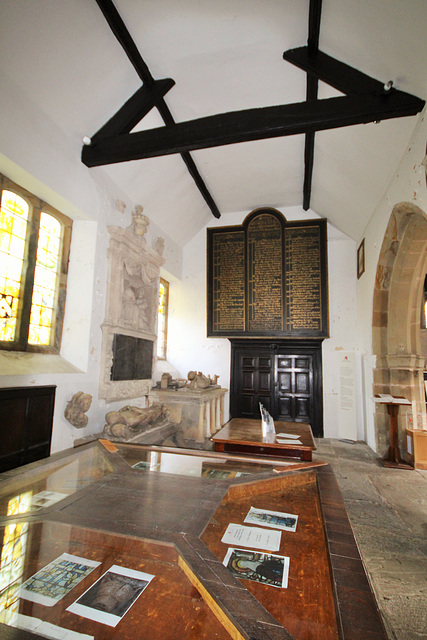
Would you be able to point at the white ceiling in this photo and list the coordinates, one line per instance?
(223, 55)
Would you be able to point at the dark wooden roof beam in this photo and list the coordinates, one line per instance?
(252, 124)
(134, 109)
(337, 74)
(312, 86)
(122, 34)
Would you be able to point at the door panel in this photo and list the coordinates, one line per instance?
(285, 382)
(248, 382)
(265, 381)
(303, 363)
(247, 406)
(248, 362)
(302, 382)
(285, 408)
(302, 409)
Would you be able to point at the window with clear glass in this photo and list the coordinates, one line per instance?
(34, 249)
(162, 321)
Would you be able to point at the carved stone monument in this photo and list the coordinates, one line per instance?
(196, 406)
(129, 329)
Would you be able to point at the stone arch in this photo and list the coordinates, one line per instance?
(401, 269)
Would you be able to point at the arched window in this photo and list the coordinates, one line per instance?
(162, 319)
(34, 249)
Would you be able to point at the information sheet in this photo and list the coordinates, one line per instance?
(252, 537)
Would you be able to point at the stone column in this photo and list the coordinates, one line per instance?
(400, 375)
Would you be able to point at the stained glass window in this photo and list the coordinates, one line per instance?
(13, 230)
(34, 245)
(45, 280)
(162, 320)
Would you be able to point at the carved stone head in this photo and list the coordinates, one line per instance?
(140, 222)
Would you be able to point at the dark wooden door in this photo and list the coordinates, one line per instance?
(293, 387)
(285, 376)
(255, 383)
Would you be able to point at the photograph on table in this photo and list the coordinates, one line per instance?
(56, 579)
(108, 600)
(273, 519)
(259, 567)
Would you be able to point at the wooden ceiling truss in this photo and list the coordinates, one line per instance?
(150, 95)
(365, 100)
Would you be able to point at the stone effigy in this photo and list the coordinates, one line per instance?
(130, 422)
(197, 380)
(167, 382)
(76, 409)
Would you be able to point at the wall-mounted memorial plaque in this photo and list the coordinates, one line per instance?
(268, 277)
(228, 281)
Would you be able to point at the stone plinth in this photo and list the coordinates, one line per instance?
(199, 412)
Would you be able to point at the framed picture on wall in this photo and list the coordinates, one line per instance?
(361, 259)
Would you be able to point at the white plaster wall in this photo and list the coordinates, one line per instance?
(342, 327)
(35, 153)
(190, 349)
(407, 185)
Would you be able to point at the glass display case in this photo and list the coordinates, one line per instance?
(126, 541)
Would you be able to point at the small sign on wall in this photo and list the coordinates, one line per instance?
(347, 413)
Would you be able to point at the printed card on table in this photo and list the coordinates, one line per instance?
(112, 595)
(272, 519)
(56, 579)
(259, 567)
(288, 436)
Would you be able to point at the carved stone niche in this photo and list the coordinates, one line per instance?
(129, 329)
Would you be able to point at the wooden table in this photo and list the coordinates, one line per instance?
(243, 435)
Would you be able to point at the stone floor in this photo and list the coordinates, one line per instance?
(388, 512)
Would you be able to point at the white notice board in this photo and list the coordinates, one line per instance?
(347, 414)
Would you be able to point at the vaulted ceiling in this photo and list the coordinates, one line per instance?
(224, 56)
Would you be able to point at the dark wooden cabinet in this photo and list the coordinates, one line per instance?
(26, 415)
(285, 376)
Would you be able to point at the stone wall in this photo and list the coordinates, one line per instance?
(400, 362)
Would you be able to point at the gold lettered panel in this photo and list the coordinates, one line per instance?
(226, 281)
(264, 274)
(268, 278)
(304, 279)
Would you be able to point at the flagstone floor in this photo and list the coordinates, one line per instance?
(388, 513)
